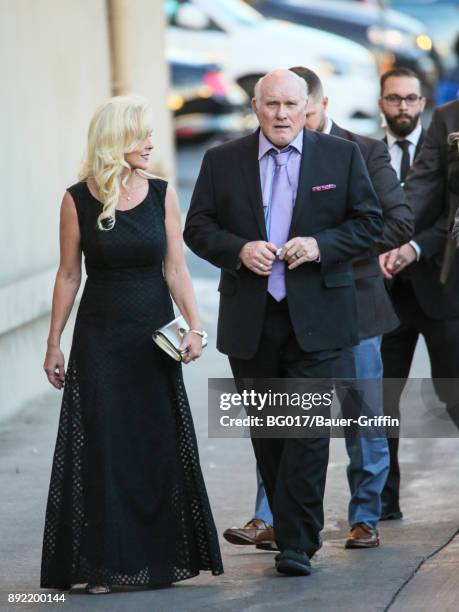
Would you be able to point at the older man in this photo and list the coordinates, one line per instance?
(282, 212)
(369, 456)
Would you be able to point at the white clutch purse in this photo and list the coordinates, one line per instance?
(169, 337)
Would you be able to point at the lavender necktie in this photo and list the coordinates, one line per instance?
(281, 208)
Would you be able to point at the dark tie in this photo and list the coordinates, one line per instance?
(405, 165)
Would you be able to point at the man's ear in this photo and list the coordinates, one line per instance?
(254, 105)
(325, 102)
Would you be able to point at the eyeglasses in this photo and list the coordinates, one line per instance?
(395, 100)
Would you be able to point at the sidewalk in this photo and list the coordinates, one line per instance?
(361, 580)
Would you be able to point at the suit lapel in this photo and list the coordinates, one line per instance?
(303, 193)
(419, 145)
(251, 171)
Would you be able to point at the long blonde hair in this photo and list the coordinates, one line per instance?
(118, 126)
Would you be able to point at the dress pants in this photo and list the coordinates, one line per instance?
(368, 454)
(398, 346)
(293, 469)
(262, 509)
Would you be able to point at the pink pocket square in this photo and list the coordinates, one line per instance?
(324, 187)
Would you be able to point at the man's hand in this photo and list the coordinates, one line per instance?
(258, 256)
(298, 251)
(397, 260)
(386, 261)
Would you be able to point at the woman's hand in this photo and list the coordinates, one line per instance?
(54, 366)
(192, 344)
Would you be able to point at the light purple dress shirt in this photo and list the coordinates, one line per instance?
(267, 167)
(279, 188)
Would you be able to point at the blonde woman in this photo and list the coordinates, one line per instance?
(127, 502)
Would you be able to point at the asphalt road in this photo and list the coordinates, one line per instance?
(361, 580)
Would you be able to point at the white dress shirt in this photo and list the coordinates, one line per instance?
(328, 126)
(396, 152)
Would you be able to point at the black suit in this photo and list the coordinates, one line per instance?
(425, 305)
(226, 211)
(375, 310)
(299, 336)
(368, 467)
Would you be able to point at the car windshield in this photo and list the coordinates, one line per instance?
(184, 73)
(236, 11)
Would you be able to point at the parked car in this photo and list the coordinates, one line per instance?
(248, 46)
(441, 20)
(393, 37)
(205, 102)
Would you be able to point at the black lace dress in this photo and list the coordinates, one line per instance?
(127, 503)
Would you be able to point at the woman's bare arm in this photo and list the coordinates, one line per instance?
(66, 287)
(178, 277)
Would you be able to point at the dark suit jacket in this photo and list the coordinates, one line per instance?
(453, 186)
(376, 313)
(434, 207)
(453, 172)
(226, 212)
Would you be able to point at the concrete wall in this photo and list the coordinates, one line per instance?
(55, 66)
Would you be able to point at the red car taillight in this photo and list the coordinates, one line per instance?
(216, 81)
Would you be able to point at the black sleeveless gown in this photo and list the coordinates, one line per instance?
(127, 503)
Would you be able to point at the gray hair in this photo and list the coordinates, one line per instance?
(303, 87)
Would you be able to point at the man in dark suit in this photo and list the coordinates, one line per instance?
(369, 456)
(307, 197)
(424, 305)
(437, 174)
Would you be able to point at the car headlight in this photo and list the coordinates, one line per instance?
(390, 38)
(424, 42)
(175, 102)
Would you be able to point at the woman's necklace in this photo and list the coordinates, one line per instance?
(130, 190)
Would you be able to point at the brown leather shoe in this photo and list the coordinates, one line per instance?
(361, 536)
(255, 531)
